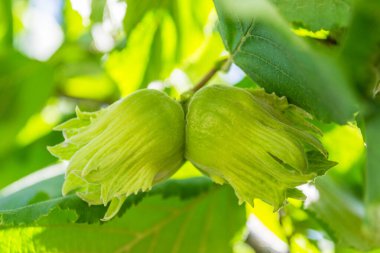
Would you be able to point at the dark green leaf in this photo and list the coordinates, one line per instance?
(263, 45)
(316, 14)
(361, 50)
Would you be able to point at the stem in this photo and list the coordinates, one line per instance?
(205, 79)
(218, 66)
(222, 64)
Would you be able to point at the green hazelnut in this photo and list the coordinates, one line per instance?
(258, 143)
(125, 148)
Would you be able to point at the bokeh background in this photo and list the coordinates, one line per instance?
(56, 55)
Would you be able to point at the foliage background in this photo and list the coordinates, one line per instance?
(55, 55)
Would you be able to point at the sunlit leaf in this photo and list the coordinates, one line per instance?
(97, 10)
(200, 222)
(160, 36)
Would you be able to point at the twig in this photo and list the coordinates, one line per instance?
(218, 66)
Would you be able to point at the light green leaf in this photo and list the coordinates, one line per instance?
(200, 222)
(262, 44)
(161, 35)
(137, 10)
(16, 211)
(81, 74)
(97, 10)
(128, 67)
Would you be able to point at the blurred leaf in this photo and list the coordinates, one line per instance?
(6, 24)
(359, 52)
(350, 250)
(345, 146)
(155, 67)
(372, 182)
(201, 222)
(190, 18)
(264, 212)
(73, 23)
(25, 160)
(95, 86)
(204, 58)
(342, 213)
(158, 39)
(301, 244)
(80, 74)
(25, 86)
(186, 188)
(316, 14)
(137, 9)
(128, 66)
(265, 48)
(97, 10)
(41, 191)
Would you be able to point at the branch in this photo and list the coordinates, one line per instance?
(218, 66)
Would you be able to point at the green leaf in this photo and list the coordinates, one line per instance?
(158, 40)
(137, 10)
(262, 44)
(373, 159)
(25, 86)
(154, 68)
(81, 74)
(15, 212)
(6, 24)
(97, 10)
(316, 14)
(134, 57)
(204, 220)
(27, 159)
(44, 185)
(372, 177)
(343, 214)
(361, 53)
